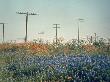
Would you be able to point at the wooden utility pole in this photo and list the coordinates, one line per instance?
(95, 36)
(3, 30)
(27, 14)
(56, 27)
(79, 20)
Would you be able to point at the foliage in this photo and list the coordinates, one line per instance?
(58, 67)
(51, 62)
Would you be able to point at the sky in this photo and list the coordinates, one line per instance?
(96, 15)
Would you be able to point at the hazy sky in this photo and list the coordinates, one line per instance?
(64, 12)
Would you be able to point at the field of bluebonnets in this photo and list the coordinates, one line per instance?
(66, 63)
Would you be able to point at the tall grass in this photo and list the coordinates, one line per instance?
(36, 62)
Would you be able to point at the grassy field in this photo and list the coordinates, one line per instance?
(30, 62)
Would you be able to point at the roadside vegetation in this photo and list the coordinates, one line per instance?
(64, 62)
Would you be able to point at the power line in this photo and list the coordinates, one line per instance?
(56, 27)
(27, 14)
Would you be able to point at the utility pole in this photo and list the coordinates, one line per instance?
(3, 30)
(56, 27)
(79, 20)
(26, 14)
(91, 40)
(78, 32)
(95, 36)
(41, 37)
